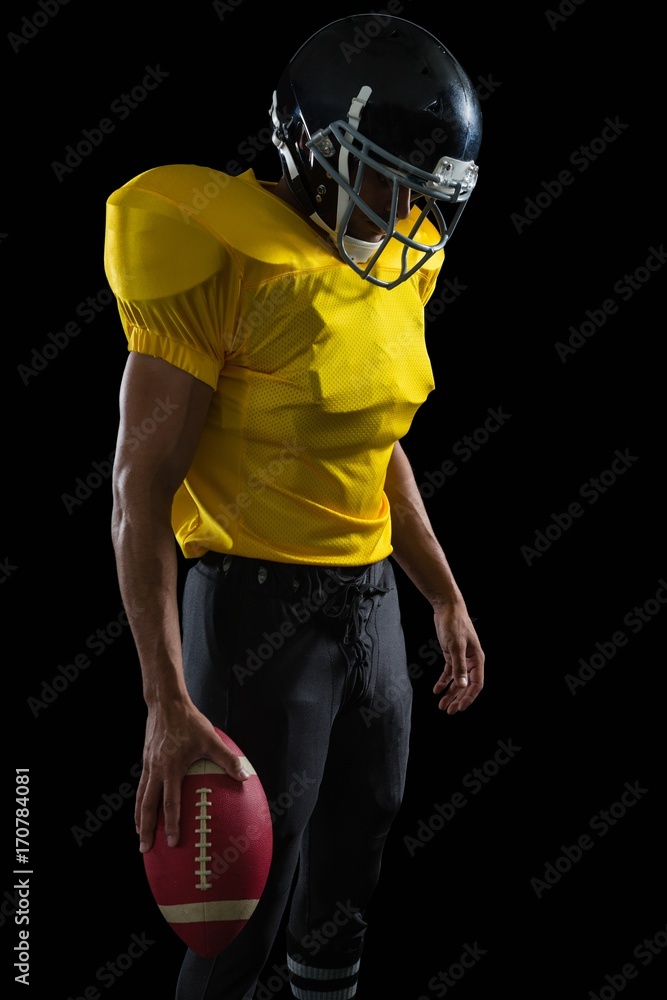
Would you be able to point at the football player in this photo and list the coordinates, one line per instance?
(277, 357)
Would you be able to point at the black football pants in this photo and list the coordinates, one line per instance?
(305, 668)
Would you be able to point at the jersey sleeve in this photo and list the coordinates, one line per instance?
(175, 282)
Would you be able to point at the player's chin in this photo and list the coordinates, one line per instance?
(366, 231)
(373, 236)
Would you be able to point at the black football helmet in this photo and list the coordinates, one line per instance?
(375, 91)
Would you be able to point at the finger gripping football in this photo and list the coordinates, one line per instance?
(207, 887)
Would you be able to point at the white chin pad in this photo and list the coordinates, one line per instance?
(359, 250)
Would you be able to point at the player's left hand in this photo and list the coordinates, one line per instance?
(462, 678)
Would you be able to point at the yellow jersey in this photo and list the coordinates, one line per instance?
(316, 373)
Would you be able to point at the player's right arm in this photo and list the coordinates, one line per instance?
(148, 469)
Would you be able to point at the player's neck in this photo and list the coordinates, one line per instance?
(281, 190)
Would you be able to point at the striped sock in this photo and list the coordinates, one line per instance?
(311, 983)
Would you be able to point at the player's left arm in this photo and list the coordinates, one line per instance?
(420, 555)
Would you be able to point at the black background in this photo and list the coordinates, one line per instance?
(548, 82)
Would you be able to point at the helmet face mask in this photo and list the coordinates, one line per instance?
(406, 112)
(451, 182)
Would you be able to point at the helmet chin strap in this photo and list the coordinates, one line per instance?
(291, 174)
(358, 250)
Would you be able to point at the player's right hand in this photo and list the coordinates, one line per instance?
(174, 741)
